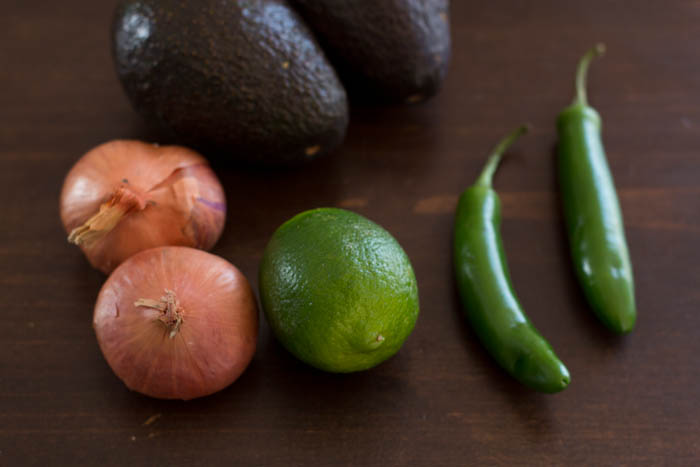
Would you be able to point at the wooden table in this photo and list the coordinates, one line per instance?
(441, 400)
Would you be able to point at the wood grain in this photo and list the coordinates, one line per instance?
(441, 401)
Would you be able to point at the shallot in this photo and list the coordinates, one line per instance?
(176, 322)
(123, 197)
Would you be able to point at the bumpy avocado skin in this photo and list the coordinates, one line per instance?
(386, 50)
(244, 78)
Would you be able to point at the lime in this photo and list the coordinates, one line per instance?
(338, 290)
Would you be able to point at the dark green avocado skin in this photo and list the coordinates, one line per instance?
(243, 78)
(385, 50)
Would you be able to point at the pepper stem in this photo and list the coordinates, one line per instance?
(169, 306)
(582, 72)
(486, 177)
(110, 213)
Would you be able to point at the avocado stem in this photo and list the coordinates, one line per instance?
(486, 177)
(582, 73)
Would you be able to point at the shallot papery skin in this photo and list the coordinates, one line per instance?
(125, 196)
(176, 322)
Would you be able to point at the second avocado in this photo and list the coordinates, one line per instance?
(384, 50)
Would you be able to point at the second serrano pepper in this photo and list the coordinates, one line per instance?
(592, 211)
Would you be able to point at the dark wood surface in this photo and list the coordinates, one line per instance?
(441, 400)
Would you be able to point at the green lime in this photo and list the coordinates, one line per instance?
(338, 290)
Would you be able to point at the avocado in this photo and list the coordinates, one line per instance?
(392, 50)
(245, 78)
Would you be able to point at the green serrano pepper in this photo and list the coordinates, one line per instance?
(592, 211)
(486, 290)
